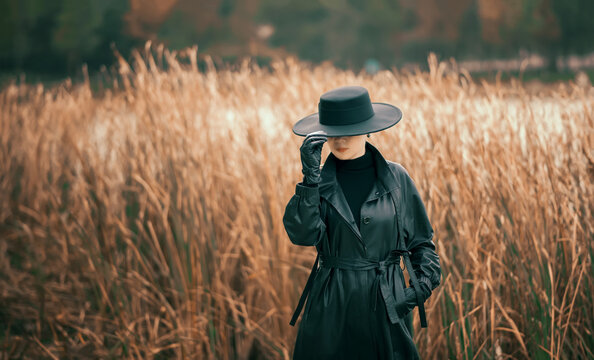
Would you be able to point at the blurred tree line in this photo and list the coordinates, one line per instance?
(58, 36)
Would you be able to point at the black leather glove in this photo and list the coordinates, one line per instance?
(425, 287)
(410, 302)
(311, 156)
(406, 306)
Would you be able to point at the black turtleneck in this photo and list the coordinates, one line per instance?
(356, 178)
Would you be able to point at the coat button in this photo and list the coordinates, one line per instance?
(366, 220)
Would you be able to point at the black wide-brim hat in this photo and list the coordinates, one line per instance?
(348, 111)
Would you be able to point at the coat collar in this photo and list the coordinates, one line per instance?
(331, 191)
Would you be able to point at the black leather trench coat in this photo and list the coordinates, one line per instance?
(357, 280)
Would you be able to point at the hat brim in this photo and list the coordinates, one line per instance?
(385, 116)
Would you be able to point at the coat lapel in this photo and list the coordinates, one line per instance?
(331, 191)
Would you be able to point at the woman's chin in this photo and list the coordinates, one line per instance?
(341, 156)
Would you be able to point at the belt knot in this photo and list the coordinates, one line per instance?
(381, 267)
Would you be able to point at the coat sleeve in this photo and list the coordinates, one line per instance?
(418, 237)
(302, 219)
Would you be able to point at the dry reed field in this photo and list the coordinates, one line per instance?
(145, 221)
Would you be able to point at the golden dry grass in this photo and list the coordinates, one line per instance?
(145, 222)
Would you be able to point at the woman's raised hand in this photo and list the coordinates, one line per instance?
(311, 156)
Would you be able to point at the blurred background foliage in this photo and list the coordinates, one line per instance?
(57, 36)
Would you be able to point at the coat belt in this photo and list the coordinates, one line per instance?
(380, 283)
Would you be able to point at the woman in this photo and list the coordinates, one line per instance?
(363, 214)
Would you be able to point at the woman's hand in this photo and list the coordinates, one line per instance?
(409, 303)
(311, 156)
